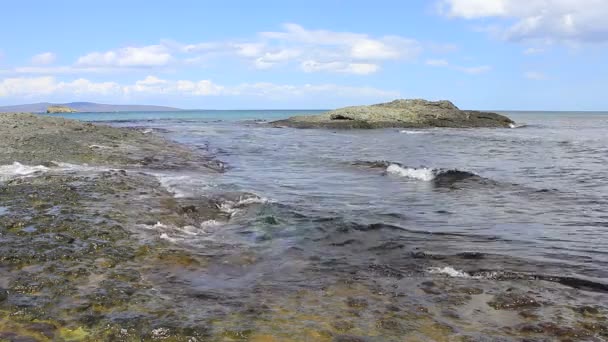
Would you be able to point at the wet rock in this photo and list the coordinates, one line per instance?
(343, 326)
(357, 303)
(45, 329)
(390, 324)
(14, 337)
(349, 338)
(470, 290)
(513, 301)
(393, 308)
(586, 310)
(600, 329)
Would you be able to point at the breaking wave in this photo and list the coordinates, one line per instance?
(426, 174)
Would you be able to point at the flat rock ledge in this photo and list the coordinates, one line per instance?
(58, 109)
(416, 113)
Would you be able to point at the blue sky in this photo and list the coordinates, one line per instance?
(481, 54)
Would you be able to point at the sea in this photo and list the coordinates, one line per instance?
(528, 202)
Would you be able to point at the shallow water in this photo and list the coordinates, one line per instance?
(540, 195)
(381, 208)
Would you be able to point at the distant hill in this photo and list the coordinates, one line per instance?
(88, 107)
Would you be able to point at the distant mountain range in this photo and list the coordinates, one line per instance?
(88, 107)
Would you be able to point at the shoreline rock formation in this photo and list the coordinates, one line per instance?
(60, 109)
(412, 113)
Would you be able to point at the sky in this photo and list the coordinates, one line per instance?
(266, 54)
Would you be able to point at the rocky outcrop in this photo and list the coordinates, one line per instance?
(414, 113)
(41, 140)
(60, 109)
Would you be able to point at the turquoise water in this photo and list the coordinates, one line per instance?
(206, 115)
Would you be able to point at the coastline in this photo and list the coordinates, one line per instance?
(83, 257)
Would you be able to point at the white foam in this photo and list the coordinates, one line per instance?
(423, 174)
(182, 186)
(512, 125)
(101, 147)
(16, 170)
(175, 234)
(232, 207)
(79, 168)
(413, 132)
(450, 271)
(171, 183)
(164, 236)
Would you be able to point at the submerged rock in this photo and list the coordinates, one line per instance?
(414, 113)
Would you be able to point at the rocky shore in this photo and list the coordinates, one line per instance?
(84, 257)
(74, 199)
(60, 109)
(414, 113)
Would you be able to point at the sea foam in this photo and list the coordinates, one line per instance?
(413, 132)
(423, 174)
(449, 271)
(16, 170)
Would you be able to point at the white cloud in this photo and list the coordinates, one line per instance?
(348, 45)
(474, 70)
(535, 75)
(342, 67)
(152, 86)
(47, 85)
(44, 58)
(134, 57)
(437, 62)
(326, 51)
(268, 59)
(544, 20)
(533, 51)
(294, 45)
(442, 63)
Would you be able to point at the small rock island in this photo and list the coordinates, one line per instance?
(412, 113)
(60, 109)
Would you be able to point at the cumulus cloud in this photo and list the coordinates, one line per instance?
(134, 57)
(474, 70)
(341, 52)
(344, 47)
(30, 87)
(48, 85)
(578, 21)
(44, 58)
(301, 48)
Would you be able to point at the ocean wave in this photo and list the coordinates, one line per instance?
(430, 174)
(423, 174)
(427, 174)
(577, 283)
(17, 170)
